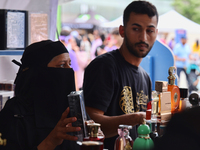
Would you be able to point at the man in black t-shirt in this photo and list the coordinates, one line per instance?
(116, 89)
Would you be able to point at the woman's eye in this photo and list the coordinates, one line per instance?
(62, 66)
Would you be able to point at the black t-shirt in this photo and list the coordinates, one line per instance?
(116, 87)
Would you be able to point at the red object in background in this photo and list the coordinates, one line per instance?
(148, 114)
(148, 111)
(149, 105)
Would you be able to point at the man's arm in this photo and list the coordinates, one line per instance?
(110, 124)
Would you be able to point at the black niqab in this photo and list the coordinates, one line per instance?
(40, 89)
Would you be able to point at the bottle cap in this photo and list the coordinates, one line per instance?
(171, 77)
(194, 99)
(122, 126)
(183, 92)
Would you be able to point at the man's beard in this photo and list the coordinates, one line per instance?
(132, 50)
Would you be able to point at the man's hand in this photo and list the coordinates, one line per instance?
(110, 124)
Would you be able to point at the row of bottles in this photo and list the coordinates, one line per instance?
(142, 142)
(168, 98)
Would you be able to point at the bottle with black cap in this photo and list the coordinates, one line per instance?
(194, 99)
(183, 98)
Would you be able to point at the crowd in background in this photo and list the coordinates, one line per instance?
(187, 60)
(83, 48)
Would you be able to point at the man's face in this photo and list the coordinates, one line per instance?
(183, 41)
(61, 61)
(140, 34)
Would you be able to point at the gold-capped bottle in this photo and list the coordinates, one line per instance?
(174, 89)
(95, 134)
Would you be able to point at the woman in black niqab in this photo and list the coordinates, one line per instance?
(40, 95)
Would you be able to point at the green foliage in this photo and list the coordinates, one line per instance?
(188, 8)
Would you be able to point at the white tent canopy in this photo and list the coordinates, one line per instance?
(172, 20)
(113, 24)
(168, 22)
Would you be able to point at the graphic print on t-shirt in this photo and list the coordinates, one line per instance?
(141, 101)
(126, 100)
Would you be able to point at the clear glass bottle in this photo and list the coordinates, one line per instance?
(123, 141)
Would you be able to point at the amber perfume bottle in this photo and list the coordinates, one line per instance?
(174, 89)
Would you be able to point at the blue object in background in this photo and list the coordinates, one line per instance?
(158, 62)
(178, 34)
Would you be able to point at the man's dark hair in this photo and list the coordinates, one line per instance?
(139, 7)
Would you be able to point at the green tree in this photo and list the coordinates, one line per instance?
(188, 8)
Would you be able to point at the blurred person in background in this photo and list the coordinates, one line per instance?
(193, 68)
(100, 49)
(96, 42)
(68, 40)
(171, 43)
(182, 53)
(196, 47)
(86, 46)
(77, 37)
(114, 42)
(82, 60)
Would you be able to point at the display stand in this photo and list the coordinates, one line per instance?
(8, 69)
(4, 96)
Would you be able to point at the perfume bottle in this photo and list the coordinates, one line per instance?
(123, 141)
(183, 98)
(194, 99)
(154, 116)
(148, 111)
(155, 109)
(153, 133)
(175, 92)
(95, 134)
(143, 141)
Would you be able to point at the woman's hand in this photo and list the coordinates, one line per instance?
(59, 133)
